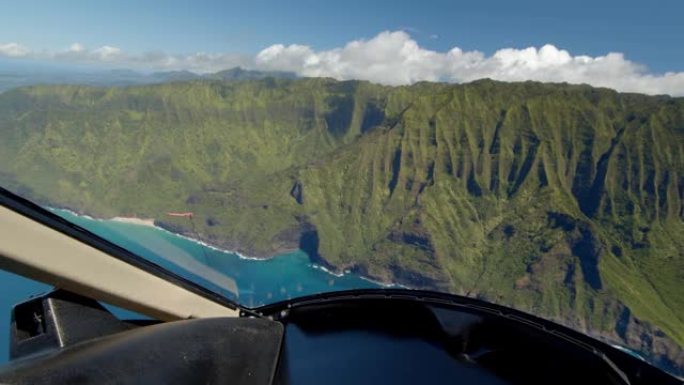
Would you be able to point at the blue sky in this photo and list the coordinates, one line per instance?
(649, 34)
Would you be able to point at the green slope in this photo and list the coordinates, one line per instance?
(565, 201)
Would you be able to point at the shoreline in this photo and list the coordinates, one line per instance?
(150, 222)
(135, 221)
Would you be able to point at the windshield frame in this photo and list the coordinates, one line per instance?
(43, 216)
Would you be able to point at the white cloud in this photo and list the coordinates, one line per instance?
(393, 58)
(78, 53)
(13, 50)
(115, 56)
(107, 53)
(76, 47)
(389, 58)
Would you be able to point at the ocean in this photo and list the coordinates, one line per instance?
(251, 282)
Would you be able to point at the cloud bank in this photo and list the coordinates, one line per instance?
(395, 58)
(13, 50)
(110, 56)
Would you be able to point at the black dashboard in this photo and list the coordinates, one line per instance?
(359, 337)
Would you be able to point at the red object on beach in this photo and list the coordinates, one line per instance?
(186, 215)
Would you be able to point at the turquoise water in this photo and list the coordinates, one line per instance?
(251, 282)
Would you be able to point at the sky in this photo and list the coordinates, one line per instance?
(626, 45)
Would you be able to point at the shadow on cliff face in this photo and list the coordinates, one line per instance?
(650, 342)
(339, 118)
(583, 245)
(309, 243)
(587, 249)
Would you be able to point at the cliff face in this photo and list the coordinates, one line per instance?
(565, 201)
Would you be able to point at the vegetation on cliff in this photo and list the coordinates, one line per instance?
(564, 201)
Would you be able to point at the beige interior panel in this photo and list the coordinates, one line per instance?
(31, 249)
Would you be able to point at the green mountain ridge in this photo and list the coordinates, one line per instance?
(564, 201)
(23, 76)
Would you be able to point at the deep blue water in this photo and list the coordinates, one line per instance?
(248, 281)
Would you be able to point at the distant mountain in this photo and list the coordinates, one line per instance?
(17, 76)
(238, 73)
(565, 201)
(173, 76)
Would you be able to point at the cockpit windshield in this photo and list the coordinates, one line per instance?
(276, 151)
